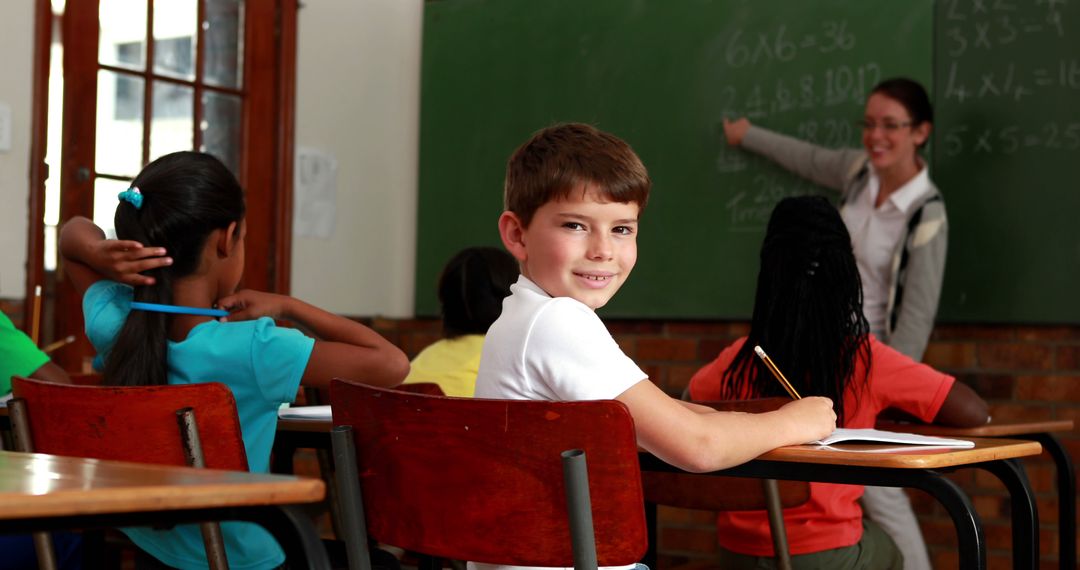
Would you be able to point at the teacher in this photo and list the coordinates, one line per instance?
(899, 232)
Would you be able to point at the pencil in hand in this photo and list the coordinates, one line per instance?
(776, 372)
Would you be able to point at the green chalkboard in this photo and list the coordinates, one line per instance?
(661, 75)
(1007, 158)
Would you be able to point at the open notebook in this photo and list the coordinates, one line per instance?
(843, 435)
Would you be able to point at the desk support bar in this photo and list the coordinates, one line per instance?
(1025, 514)
(969, 532)
(1066, 491)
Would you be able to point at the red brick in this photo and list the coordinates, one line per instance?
(990, 386)
(940, 532)
(1045, 333)
(667, 349)
(655, 373)
(973, 332)
(685, 517)
(1068, 358)
(709, 348)
(1013, 412)
(999, 561)
(945, 559)
(1014, 356)
(679, 378)
(998, 535)
(1042, 476)
(627, 326)
(628, 344)
(950, 355)
(989, 507)
(1048, 509)
(687, 540)
(1048, 388)
(703, 328)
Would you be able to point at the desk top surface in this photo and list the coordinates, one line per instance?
(905, 456)
(999, 429)
(37, 485)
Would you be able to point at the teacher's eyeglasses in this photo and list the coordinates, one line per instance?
(887, 126)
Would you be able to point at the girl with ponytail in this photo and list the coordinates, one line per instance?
(808, 316)
(161, 307)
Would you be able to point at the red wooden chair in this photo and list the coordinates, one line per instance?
(145, 424)
(483, 480)
(429, 388)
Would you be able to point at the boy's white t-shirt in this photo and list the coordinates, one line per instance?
(545, 348)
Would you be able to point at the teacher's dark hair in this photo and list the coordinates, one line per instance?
(807, 310)
(911, 95)
(186, 196)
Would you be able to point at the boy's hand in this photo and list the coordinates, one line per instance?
(247, 305)
(812, 418)
(125, 260)
(736, 130)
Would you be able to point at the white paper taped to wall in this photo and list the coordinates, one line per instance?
(315, 187)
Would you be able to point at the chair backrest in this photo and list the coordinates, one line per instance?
(482, 480)
(132, 423)
(429, 388)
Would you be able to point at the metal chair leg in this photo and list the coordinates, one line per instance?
(213, 540)
(776, 523)
(24, 442)
(579, 508)
(354, 528)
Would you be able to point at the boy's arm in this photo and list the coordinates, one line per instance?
(50, 372)
(89, 257)
(699, 441)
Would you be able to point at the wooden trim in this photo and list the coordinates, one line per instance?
(286, 144)
(39, 171)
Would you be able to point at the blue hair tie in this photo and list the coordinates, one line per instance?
(132, 196)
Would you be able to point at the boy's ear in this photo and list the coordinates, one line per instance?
(226, 240)
(512, 232)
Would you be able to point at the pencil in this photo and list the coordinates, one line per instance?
(60, 343)
(35, 322)
(776, 372)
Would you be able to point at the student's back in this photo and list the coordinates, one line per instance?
(808, 316)
(154, 324)
(472, 287)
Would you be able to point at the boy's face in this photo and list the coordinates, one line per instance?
(581, 247)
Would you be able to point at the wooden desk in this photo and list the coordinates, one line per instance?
(912, 467)
(42, 492)
(917, 469)
(1042, 432)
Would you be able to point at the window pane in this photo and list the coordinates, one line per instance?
(174, 38)
(222, 116)
(119, 124)
(172, 126)
(122, 40)
(105, 200)
(223, 34)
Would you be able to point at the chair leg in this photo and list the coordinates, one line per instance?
(354, 528)
(776, 523)
(24, 442)
(579, 507)
(213, 541)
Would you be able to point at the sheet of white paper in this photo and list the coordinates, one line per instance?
(875, 435)
(315, 186)
(305, 413)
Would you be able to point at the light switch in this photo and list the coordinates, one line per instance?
(5, 127)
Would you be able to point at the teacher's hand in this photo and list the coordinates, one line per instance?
(736, 130)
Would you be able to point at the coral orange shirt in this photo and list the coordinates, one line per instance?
(832, 517)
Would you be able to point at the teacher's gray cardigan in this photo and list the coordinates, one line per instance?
(918, 263)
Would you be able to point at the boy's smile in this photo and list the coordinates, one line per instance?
(581, 247)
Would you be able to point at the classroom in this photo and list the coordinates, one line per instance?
(374, 145)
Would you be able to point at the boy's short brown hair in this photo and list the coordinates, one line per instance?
(559, 159)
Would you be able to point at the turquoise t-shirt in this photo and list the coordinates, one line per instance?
(262, 364)
(18, 355)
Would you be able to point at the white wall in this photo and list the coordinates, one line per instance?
(358, 98)
(16, 63)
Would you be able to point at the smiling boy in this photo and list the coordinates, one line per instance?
(573, 196)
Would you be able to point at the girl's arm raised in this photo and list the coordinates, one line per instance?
(344, 348)
(89, 257)
(697, 440)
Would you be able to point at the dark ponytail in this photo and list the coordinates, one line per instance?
(186, 196)
(807, 310)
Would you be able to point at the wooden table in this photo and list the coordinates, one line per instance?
(912, 467)
(42, 492)
(1042, 432)
(916, 468)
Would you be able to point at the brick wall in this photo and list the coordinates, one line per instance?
(1025, 373)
